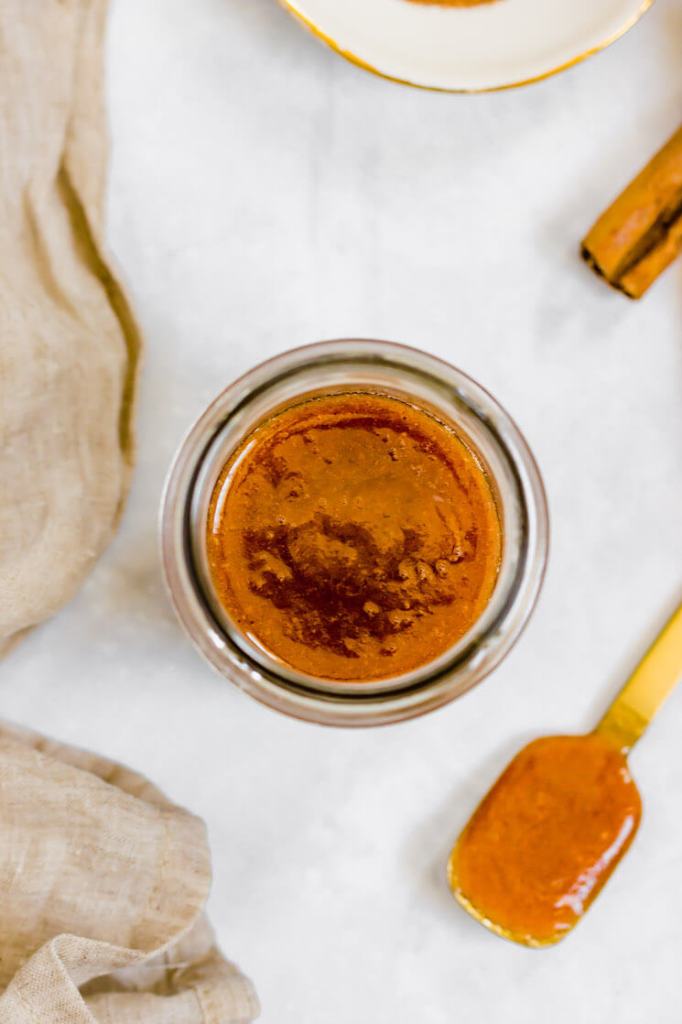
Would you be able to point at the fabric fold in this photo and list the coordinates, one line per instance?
(69, 345)
(102, 887)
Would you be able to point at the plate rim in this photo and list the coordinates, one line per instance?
(293, 8)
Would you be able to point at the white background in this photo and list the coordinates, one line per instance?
(265, 194)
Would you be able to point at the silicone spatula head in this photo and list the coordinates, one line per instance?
(546, 838)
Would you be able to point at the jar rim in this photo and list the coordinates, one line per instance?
(457, 669)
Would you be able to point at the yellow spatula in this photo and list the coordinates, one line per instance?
(550, 832)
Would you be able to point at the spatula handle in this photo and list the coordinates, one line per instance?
(655, 677)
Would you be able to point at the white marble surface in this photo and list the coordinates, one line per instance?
(265, 194)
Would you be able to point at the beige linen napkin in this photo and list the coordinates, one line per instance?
(102, 880)
(68, 344)
(102, 884)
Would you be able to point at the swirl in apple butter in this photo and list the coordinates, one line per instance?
(354, 537)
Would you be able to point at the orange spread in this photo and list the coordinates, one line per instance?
(548, 835)
(354, 536)
(453, 3)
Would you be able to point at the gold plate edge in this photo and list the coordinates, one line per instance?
(293, 9)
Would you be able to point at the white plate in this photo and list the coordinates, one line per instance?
(467, 49)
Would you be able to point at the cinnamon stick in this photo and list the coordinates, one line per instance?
(641, 232)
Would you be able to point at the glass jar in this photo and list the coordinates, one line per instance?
(369, 366)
